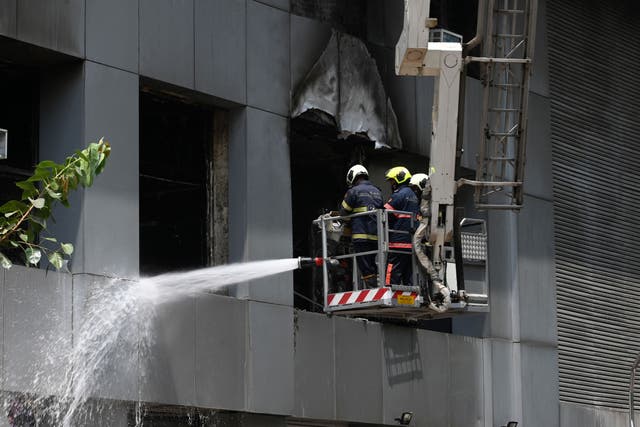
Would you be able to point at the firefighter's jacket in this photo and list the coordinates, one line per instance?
(363, 197)
(402, 199)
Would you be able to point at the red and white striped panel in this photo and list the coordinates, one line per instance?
(365, 295)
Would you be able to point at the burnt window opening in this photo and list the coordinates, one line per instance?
(19, 115)
(319, 163)
(175, 152)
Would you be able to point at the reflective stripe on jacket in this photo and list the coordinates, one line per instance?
(402, 199)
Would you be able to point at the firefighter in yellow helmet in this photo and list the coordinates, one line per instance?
(403, 199)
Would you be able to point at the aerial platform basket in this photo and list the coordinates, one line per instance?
(407, 302)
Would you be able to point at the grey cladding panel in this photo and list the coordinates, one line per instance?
(268, 70)
(57, 25)
(166, 41)
(221, 328)
(111, 111)
(314, 366)
(171, 361)
(112, 33)
(596, 174)
(540, 73)
(404, 379)
(280, 4)
(537, 287)
(540, 385)
(268, 201)
(8, 18)
(308, 40)
(467, 381)
(119, 375)
(61, 111)
(434, 406)
(37, 329)
(271, 364)
(538, 167)
(358, 370)
(502, 246)
(220, 46)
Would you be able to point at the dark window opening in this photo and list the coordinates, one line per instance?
(319, 163)
(19, 114)
(175, 140)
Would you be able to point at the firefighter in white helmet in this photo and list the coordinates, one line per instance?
(419, 182)
(363, 196)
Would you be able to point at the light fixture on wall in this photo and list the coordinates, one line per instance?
(405, 418)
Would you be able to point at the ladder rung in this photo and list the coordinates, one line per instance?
(514, 133)
(507, 207)
(502, 159)
(498, 60)
(509, 36)
(505, 85)
(514, 11)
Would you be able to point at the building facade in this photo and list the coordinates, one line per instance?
(195, 97)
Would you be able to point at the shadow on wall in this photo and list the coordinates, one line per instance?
(402, 360)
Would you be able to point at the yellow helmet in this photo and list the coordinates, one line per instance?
(399, 174)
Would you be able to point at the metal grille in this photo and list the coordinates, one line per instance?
(474, 246)
(595, 100)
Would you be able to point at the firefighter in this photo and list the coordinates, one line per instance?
(399, 268)
(418, 183)
(363, 196)
(421, 185)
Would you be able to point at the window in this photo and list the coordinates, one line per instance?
(19, 114)
(176, 141)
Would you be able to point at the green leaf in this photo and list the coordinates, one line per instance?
(67, 248)
(29, 189)
(13, 205)
(5, 262)
(37, 203)
(10, 214)
(50, 239)
(53, 194)
(14, 244)
(23, 237)
(56, 259)
(33, 255)
(47, 164)
(38, 220)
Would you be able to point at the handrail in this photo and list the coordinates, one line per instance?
(381, 216)
(632, 384)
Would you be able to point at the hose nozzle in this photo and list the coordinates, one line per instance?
(304, 262)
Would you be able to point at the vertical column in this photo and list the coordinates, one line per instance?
(111, 243)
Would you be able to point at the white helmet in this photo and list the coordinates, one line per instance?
(355, 172)
(420, 180)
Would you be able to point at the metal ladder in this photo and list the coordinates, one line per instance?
(506, 64)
